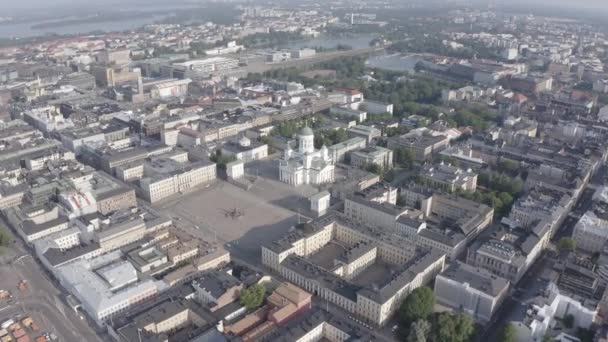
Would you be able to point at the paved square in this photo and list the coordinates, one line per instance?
(242, 220)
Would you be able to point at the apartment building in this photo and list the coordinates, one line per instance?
(591, 231)
(449, 178)
(509, 252)
(167, 174)
(298, 257)
(445, 223)
(473, 291)
(338, 151)
(373, 155)
(422, 146)
(245, 150)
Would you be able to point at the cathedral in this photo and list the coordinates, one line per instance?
(307, 165)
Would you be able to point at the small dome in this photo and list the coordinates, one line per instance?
(306, 131)
(245, 141)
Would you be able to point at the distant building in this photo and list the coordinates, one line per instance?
(449, 178)
(422, 146)
(367, 132)
(509, 54)
(200, 68)
(114, 57)
(374, 107)
(167, 88)
(374, 155)
(245, 149)
(79, 80)
(601, 86)
(339, 150)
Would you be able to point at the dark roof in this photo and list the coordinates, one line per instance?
(56, 257)
(29, 227)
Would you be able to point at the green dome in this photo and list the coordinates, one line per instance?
(306, 131)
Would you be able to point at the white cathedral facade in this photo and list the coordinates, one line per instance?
(307, 165)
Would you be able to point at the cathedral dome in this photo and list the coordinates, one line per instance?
(306, 131)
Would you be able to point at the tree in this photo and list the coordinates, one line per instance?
(5, 238)
(418, 305)
(222, 159)
(404, 157)
(452, 328)
(566, 244)
(586, 335)
(373, 168)
(508, 333)
(568, 321)
(419, 331)
(253, 296)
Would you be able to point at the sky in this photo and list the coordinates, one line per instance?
(42, 4)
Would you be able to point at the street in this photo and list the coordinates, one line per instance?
(42, 298)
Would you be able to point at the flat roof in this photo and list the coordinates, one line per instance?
(476, 278)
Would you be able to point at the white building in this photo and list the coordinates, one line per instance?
(375, 107)
(245, 149)
(591, 232)
(603, 114)
(170, 88)
(307, 165)
(47, 119)
(235, 169)
(510, 54)
(231, 47)
(474, 291)
(541, 316)
(339, 150)
(601, 86)
(106, 285)
(319, 203)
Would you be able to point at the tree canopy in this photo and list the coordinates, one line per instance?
(508, 333)
(452, 328)
(417, 305)
(253, 296)
(566, 244)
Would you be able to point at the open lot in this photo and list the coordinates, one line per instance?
(242, 220)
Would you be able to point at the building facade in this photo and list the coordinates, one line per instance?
(307, 165)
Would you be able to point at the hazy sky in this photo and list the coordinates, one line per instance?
(39, 4)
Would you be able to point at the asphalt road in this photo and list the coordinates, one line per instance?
(42, 297)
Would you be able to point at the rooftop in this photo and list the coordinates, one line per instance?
(476, 278)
